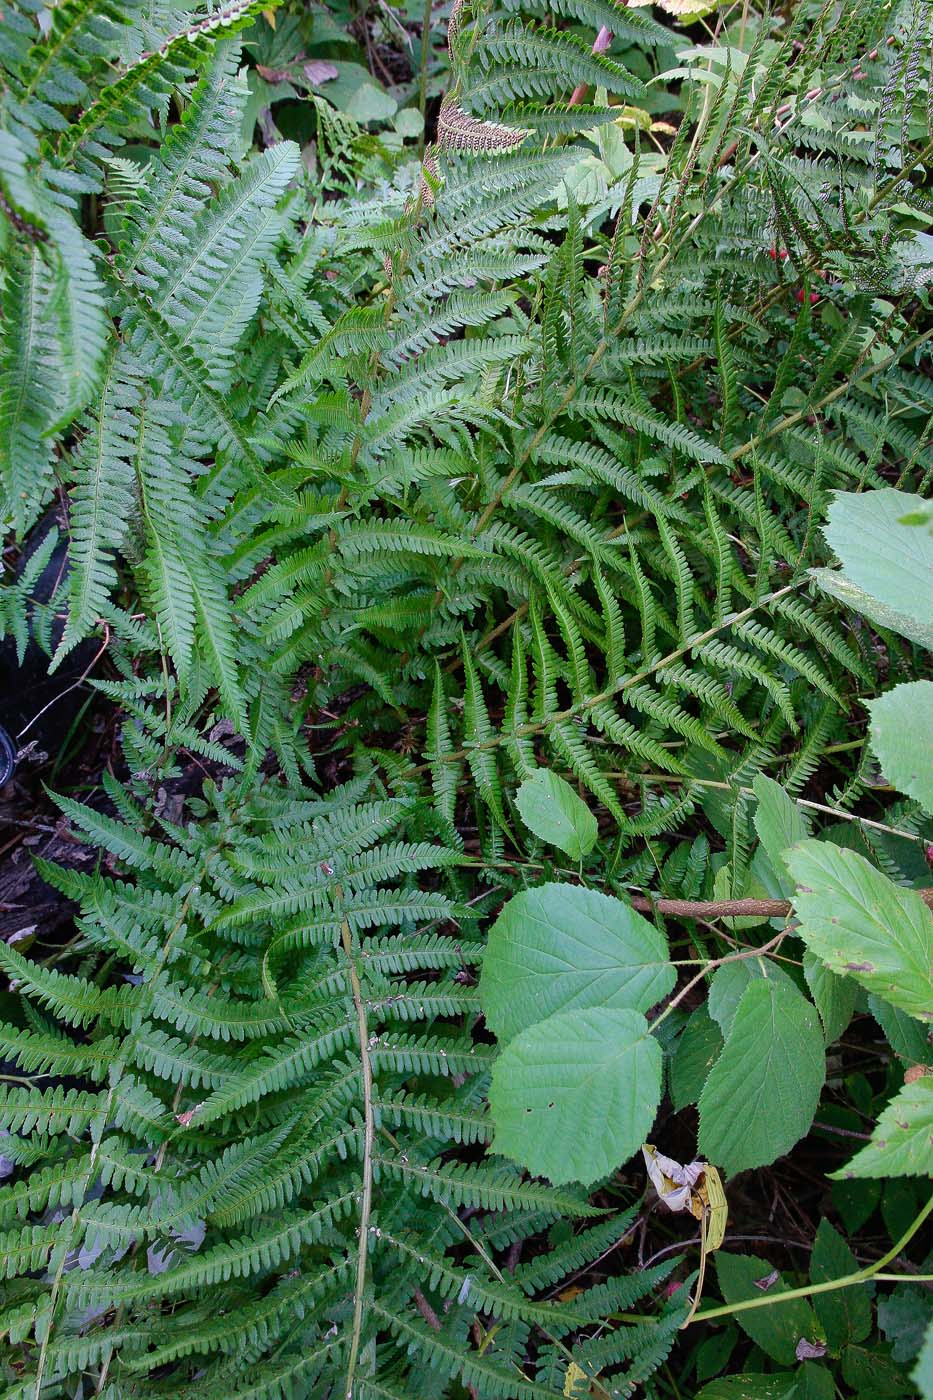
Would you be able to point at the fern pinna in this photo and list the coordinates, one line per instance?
(259, 1143)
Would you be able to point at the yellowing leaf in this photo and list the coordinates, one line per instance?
(575, 1374)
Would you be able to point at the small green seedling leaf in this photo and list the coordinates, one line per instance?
(551, 809)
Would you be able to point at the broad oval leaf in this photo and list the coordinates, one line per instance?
(901, 725)
(551, 809)
(776, 1330)
(902, 1143)
(574, 1096)
(561, 947)
(763, 1090)
(859, 922)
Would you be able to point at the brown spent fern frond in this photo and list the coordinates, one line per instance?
(457, 130)
(453, 25)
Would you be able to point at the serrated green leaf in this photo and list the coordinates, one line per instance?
(697, 1051)
(574, 1096)
(834, 996)
(848, 593)
(909, 1040)
(891, 561)
(923, 1371)
(814, 1382)
(902, 1143)
(776, 1330)
(551, 809)
(901, 725)
(859, 922)
(844, 1312)
(778, 820)
(730, 981)
(903, 1315)
(872, 1373)
(763, 1090)
(562, 948)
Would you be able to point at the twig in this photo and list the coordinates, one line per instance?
(711, 966)
(74, 685)
(729, 908)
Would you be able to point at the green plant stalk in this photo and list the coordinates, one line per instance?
(847, 1281)
(369, 1133)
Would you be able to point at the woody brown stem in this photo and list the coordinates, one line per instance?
(728, 908)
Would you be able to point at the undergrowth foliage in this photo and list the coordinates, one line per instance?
(514, 458)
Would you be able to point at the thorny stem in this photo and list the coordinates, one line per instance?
(369, 1133)
(847, 1281)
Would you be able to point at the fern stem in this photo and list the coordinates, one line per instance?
(828, 811)
(366, 1199)
(592, 701)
